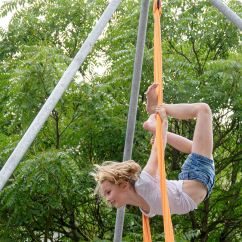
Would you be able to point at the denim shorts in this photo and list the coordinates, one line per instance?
(199, 168)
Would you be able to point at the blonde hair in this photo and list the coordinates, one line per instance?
(116, 173)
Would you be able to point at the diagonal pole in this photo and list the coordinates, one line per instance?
(225, 10)
(133, 105)
(56, 94)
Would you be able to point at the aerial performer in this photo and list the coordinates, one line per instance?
(124, 183)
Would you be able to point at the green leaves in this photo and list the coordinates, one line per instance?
(50, 194)
(49, 181)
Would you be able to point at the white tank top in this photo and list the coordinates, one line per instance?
(149, 188)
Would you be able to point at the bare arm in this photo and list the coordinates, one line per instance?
(180, 143)
(152, 164)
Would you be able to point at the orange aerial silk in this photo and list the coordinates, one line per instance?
(168, 229)
(146, 229)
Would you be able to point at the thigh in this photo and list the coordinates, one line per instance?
(203, 134)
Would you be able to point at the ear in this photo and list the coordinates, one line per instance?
(125, 185)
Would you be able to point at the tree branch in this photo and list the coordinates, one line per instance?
(218, 142)
(228, 162)
(32, 233)
(48, 224)
(179, 53)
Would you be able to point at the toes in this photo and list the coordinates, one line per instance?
(153, 86)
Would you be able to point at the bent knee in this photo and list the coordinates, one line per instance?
(204, 108)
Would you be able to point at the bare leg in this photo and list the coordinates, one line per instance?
(180, 143)
(152, 97)
(203, 134)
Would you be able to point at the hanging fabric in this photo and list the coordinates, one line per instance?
(168, 229)
(146, 229)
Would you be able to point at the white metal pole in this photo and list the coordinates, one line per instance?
(56, 94)
(233, 17)
(133, 105)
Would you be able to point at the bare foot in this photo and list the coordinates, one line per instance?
(152, 97)
(160, 109)
(150, 124)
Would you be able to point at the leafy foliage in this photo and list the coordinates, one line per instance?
(50, 194)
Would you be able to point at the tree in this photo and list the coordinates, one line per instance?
(31, 68)
(201, 62)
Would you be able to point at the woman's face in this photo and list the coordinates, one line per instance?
(115, 195)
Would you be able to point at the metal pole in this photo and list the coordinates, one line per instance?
(135, 91)
(55, 96)
(233, 17)
(133, 105)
